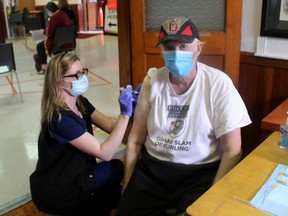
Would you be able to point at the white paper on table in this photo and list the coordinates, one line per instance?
(38, 35)
(4, 69)
(273, 195)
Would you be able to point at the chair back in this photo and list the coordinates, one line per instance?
(7, 59)
(34, 23)
(64, 40)
(15, 19)
(7, 56)
(25, 13)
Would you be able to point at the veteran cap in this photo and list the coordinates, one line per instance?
(178, 29)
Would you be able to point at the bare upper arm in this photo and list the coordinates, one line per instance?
(139, 127)
(231, 141)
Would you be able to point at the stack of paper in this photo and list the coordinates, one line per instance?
(38, 35)
(273, 195)
(4, 69)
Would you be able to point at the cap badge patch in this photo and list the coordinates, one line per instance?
(173, 26)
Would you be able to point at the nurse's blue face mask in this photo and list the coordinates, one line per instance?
(179, 63)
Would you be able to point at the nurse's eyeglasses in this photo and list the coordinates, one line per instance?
(79, 74)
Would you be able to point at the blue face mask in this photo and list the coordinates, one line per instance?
(79, 86)
(179, 63)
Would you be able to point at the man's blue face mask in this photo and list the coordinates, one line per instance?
(179, 63)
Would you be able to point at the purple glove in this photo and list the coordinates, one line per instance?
(125, 100)
(136, 95)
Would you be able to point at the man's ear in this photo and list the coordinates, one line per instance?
(199, 47)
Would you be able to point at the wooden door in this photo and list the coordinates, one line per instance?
(91, 16)
(137, 51)
(30, 4)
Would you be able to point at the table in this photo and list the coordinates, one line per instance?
(228, 196)
(277, 117)
(36, 12)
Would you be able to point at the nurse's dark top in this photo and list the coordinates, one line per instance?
(63, 179)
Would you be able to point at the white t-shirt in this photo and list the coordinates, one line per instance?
(186, 128)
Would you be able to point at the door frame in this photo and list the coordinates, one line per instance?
(124, 42)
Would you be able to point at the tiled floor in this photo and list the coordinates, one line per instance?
(19, 127)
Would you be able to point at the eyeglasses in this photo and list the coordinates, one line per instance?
(79, 74)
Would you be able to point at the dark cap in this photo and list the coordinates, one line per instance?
(178, 29)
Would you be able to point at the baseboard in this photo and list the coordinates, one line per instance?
(15, 203)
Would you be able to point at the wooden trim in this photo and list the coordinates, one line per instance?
(250, 58)
(150, 41)
(124, 42)
(91, 16)
(137, 40)
(81, 19)
(233, 33)
(216, 41)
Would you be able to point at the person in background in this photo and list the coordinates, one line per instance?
(58, 18)
(64, 6)
(68, 180)
(186, 132)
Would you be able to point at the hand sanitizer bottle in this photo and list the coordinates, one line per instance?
(283, 135)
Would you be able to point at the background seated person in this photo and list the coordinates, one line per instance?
(58, 18)
(64, 6)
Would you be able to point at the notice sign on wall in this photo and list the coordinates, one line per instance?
(111, 21)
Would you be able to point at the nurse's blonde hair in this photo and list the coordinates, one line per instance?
(52, 99)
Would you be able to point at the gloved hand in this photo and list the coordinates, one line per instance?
(135, 95)
(125, 100)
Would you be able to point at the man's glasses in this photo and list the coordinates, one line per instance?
(79, 74)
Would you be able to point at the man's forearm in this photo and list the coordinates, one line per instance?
(227, 163)
(131, 157)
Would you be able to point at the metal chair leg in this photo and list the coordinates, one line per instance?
(18, 85)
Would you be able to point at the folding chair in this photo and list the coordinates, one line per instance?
(34, 23)
(64, 40)
(7, 64)
(16, 24)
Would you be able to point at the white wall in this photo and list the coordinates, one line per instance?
(250, 34)
(251, 21)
